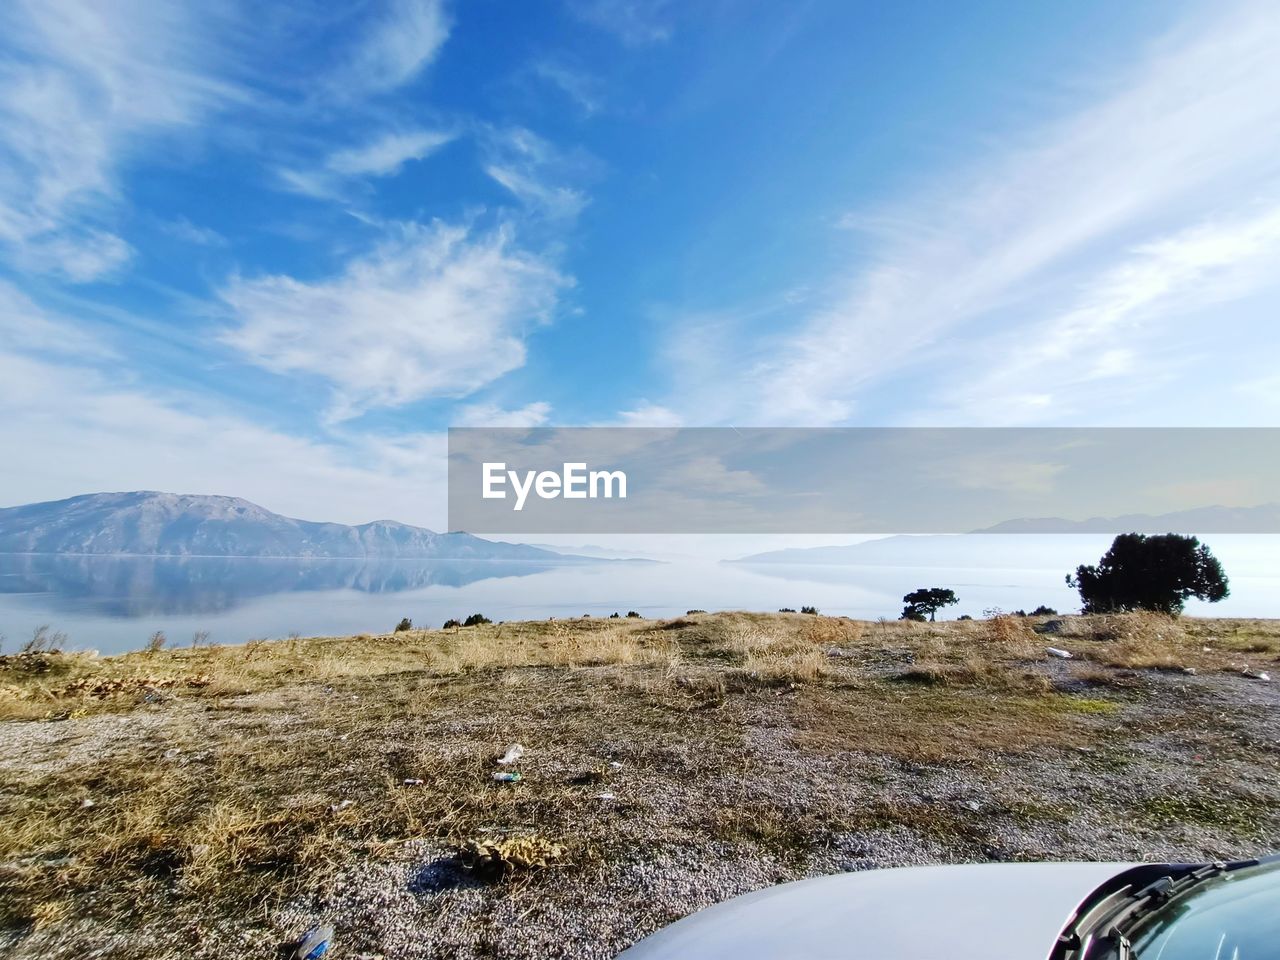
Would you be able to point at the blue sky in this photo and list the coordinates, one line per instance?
(276, 254)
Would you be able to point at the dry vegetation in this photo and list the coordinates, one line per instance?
(170, 791)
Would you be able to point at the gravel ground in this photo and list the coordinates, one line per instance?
(1183, 768)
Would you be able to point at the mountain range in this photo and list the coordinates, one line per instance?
(1016, 543)
(148, 523)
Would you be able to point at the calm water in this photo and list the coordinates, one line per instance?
(114, 604)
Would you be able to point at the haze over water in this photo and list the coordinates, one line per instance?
(114, 604)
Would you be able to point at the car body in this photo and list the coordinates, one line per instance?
(1027, 911)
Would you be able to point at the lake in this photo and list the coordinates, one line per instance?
(114, 604)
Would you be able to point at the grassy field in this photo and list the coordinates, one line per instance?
(215, 800)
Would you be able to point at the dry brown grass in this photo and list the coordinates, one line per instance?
(279, 759)
(1142, 640)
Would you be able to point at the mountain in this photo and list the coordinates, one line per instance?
(170, 524)
(595, 552)
(1264, 518)
(956, 551)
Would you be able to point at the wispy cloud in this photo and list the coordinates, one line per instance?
(649, 415)
(634, 22)
(180, 228)
(439, 311)
(1188, 139)
(84, 84)
(383, 156)
(491, 415)
(397, 45)
(30, 329)
(583, 88)
(533, 170)
(386, 154)
(1117, 323)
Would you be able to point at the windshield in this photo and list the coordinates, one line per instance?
(1233, 916)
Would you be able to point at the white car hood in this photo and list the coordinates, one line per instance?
(970, 912)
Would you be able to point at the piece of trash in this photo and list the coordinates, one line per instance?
(605, 796)
(314, 943)
(412, 782)
(339, 807)
(503, 776)
(172, 754)
(514, 753)
(1189, 671)
(973, 805)
(1256, 674)
(616, 764)
(86, 803)
(1060, 654)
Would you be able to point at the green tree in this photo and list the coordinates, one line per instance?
(1141, 572)
(927, 600)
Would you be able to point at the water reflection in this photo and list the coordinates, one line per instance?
(147, 586)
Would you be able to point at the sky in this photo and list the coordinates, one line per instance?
(275, 252)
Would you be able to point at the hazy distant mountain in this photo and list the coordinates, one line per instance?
(591, 550)
(170, 524)
(957, 551)
(1264, 518)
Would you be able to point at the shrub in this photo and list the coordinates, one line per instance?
(42, 641)
(689, 613)
(1043, 611)
(156, 642)
(475, 620)
(786, 610)
(451, 624)
(1155, 573)
(200, 638)
(403, 625)
(812, 610)
(615, 615)
(633, 614)
(964, 616)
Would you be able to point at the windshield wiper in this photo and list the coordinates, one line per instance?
(1116, 925)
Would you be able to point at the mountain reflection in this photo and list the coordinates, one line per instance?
(145, 586)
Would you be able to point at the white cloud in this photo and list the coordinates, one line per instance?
(90, 82)
(1128, 305)
(526, 164)
(396, 47)
(649, 415)
(180, 228)
(28, 328)
(580, 87)
(80, 254)
(492, 415)
(383, 156)
(634, 22)
(387, 154)
(439, 311)
(1189, 137)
